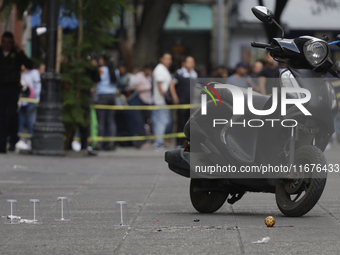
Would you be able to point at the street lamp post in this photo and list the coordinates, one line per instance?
(48, 137)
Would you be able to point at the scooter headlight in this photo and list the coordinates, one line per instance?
(316, 52)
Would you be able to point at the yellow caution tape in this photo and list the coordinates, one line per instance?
(128, 107)
(135, 138)
(29, 100)
(125, 107)
(145, 107)
(24, 135)
(122, 138)
(336, 83)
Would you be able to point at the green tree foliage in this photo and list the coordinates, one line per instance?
(95, 18)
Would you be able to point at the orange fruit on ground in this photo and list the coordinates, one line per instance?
(270, 221)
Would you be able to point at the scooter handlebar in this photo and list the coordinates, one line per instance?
(260, 45)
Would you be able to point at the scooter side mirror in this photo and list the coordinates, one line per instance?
(263, 14)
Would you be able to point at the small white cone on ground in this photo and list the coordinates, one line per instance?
(121, 214)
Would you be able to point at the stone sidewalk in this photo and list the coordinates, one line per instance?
(160, 210)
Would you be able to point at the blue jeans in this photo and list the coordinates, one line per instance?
(106, 118)
(136, 118)
(160, 120)
(27, 117)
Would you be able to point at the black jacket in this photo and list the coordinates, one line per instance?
(10, 67)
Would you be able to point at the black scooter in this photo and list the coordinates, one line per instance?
(300, 147)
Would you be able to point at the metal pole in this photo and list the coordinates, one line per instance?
(48, 137)
(220, 32)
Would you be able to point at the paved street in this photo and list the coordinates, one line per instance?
(160, 211)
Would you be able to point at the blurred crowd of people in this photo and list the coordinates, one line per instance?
(142, 87)
(115, 85)
(158, 86)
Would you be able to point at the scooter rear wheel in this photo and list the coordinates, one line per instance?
(205, 196)
(296, 197)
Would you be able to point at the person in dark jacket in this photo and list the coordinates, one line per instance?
(11, 60)
(180, 92)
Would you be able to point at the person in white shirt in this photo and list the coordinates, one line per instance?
(27, 112)
(161, 82)
(143, 85)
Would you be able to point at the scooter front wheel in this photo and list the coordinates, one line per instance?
(296, 197)
(205, 195)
